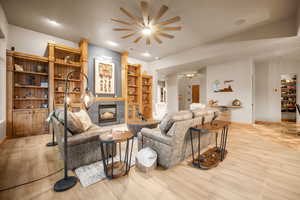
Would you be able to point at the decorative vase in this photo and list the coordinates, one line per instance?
(236, 102)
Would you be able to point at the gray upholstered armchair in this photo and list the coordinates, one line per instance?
(175, 145)
(83, 148)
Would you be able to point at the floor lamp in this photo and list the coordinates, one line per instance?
(52, 143)
(70, 181)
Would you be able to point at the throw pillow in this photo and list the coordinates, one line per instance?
(166, 123)
(74, 124)
(85, 119)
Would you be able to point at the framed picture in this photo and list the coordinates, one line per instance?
(104, 77)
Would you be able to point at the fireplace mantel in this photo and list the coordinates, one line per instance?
(109, 99)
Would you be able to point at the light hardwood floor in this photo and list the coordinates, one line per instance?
(257, 167)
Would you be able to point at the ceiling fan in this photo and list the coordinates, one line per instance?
(148, 27)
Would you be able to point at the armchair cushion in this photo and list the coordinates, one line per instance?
(169, 119)
(182, 115)
(82, 138)
(156, 135)
(92, 134)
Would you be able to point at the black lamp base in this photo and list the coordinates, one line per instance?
(65, 184)
(51, 144)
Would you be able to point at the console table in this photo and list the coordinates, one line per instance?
(225, 114)
(213, 156)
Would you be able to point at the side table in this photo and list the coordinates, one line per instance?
(213, 156)
(115, 163)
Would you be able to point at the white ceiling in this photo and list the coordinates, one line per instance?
(203, 21)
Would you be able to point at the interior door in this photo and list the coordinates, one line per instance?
(195, 93)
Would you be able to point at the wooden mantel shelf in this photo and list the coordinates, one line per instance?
(109, 99)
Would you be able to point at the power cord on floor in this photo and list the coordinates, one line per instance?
(15, 186)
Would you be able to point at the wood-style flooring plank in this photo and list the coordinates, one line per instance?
(263, 163)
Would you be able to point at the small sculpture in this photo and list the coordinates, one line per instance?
(141, 116)
(236, 102)
(19, 67)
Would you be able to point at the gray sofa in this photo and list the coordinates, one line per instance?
(83, 148)
(175, 145)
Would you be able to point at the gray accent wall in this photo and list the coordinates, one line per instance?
(100, 52)
(115, 57)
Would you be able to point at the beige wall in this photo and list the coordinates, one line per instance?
(32, 42)
(240, 71)
(298, 19)
(172, 94)
(3, 43)
(267, 100)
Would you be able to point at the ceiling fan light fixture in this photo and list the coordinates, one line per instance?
(146, 54)
(146, 27)
(147, 31)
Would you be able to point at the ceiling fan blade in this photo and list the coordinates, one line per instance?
(123, 29)
(148, 42)
(134, 18)
(138, 39)
(120, 21)
(128, 35)
(157, 39)
(145, 12)
(163, 9)
(165, 35)
(169, 21)
(175, 28)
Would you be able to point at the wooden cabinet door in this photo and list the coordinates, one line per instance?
(39, 124)
(22, 123)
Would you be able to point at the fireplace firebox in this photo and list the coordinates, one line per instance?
(107, 113)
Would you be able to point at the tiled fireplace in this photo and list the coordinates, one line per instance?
(107, 113)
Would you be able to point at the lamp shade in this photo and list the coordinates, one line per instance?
(87, 98)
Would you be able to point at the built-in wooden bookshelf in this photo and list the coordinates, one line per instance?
(27, 94)
(147, 96)
(33, 86)
(139, 93)
(133, 91)
(64, 60)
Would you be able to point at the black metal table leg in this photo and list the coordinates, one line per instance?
(217, 135)
(199, 143)
(130, 156)
(212, 156)
(192, 145)
(117, 165)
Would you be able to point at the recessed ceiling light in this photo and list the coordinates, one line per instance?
(146, 31)
(189, 75)
(111, 43)
(240, 22)
(146, 54)
(53, 23)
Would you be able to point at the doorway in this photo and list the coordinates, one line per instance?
(288, 97)
(195, 93)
